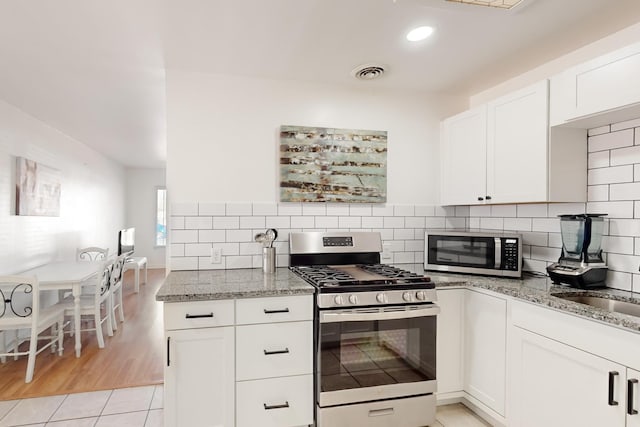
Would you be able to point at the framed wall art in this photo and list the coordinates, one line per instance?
(332, 165)
(37, 189)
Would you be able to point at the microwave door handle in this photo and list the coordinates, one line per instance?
(498, 252)
(349, 316)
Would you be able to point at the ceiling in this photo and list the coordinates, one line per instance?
(95, 69)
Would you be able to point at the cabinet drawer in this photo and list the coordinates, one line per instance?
(274, 350)
(274, 309)
(275, 402)
(198, 314)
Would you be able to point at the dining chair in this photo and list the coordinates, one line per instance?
(116, 290)
(92, 301)
(92, 253)
(136, 263)
(20, 309)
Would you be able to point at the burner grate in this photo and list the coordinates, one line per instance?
(326, 276)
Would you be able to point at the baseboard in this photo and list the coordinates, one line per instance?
(483, 411)
(449, 398)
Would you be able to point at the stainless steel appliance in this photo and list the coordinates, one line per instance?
(375, 324)
(475, 251)
(581, 264)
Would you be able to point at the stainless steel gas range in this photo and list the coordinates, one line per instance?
(375, 326)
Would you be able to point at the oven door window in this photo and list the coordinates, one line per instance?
(376, 353)
(462, 251)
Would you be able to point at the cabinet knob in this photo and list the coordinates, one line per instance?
(480, 199)
(488, 197)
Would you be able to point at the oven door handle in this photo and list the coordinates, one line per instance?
(351, 316)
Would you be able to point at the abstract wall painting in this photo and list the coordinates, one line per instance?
(37, 189)
(332, 165)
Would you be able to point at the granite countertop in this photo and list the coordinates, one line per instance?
(229, 284)
(247, 283)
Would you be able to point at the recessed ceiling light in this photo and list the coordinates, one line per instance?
(419, 33)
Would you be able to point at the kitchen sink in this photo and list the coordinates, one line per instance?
(605, 304)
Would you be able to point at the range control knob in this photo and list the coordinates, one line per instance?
(353, 300)
(380, 298)
(406, 296)
(421, 296)
(339, 300)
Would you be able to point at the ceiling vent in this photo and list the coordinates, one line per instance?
(500, 4)
(368, 72)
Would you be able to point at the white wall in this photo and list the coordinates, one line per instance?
(603, 46)
(141, 212)
(223, 134)
(92, 201)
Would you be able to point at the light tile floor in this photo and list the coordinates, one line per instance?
(140, 407)
(126, 407)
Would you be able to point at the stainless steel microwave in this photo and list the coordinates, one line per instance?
(474, 251)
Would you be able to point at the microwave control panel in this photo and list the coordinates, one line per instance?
(510, 255)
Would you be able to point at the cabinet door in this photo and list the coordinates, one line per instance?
(449, 340)
(517, 146)
(633, 396)
(485, 320)
(463, 158)
(553, 384)
(199, 378)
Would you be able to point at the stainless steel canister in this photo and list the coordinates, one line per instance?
(269, 260)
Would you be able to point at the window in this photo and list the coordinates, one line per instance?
(161, 217)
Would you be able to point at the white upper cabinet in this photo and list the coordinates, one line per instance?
(464, 144)
(504, 152)
(601, 91)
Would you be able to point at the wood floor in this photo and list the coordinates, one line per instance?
(132, 357)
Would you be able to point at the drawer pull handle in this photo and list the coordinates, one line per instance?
(612, 377)
(380, 412)
(630, 384)
(268, 353)
(284, 310)
(282, 406)
(198, 316)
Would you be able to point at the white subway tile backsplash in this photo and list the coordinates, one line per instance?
(349, 222)
(414, 245)
(623, 263)
(445, 211)
(474, 222)
(226, 222)
(598, 193)
(184, 209)
(250, 248)
(338, 209)
(404, 210)
(624, 227)
(289, 209)
(393, 222)
(535, 265)
(599, 130)
(555, 240)
(551, 225)
(228, 248)
(239, 235)
(619, 280)
(198, 223)
(492, 223)
(625, 125)
(610, 175)
(211, 236)
(326, 222)
(265, 209)
(252, 222)
(625, 156)
(403, 234)
(481, 210)
(517, 224)
(204, 263)
(424, 210)
(435, 222)
(177, 249)
(503, 211)
(414, 222)
(543, 253)
(184, 236)
(314, 209)
(636, 283)
(212, 209)
(537, 210)
(598, 159)
(278, 222)
(611, 141)
(396, 245)
(556, 209)
(535, 239)
(197, 249)
(176, 222)
(372, 222)
(403, 258)
(184, 263)
(385, 234)
(612, 209)
(239, 209)
(360, 209)
(303, 222)
(462, 211)
(629, 191)
(240, 261)
(453, 222)
(618, 244)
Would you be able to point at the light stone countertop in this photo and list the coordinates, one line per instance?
(180, 286)
(202, 285)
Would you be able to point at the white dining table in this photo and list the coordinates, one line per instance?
(67, 275)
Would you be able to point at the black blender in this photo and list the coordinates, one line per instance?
(580, 264)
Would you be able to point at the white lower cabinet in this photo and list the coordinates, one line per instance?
(449, 341)
(199, 377)
(485, 321)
